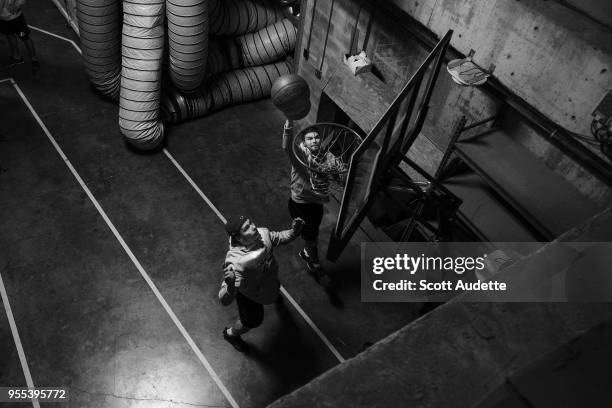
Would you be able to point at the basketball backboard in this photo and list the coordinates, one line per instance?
(383, 147)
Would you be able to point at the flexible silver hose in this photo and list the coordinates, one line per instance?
(228, 88)
(142, 49)
(187, 42)
(265, 37)
(99, 29)
(234, 17)
(269, 44)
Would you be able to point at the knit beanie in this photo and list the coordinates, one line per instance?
(234, 223)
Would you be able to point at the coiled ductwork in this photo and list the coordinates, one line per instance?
(187, 42)
(234, 17)
(228, 88)
(261, 36)
(99, 29)
(262, 47)
(142, 49)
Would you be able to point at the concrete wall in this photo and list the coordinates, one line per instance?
(461, 351)
(556, 59)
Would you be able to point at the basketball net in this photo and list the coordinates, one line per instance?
(329, 178)
(328, 168)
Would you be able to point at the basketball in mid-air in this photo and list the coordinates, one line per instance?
(290, 94)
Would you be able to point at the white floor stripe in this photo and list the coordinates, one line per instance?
(195, 186)
(129, 252)
(64, 13)
(20, 352)
(76, 47)
(283, 290)
(312, 325)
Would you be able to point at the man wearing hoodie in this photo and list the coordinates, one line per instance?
(251, 273)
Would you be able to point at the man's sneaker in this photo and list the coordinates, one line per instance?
(313, 264)
(13, 61)
(236, 341)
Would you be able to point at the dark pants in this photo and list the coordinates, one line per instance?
(312, 214)
(15, 26)
(251, 313)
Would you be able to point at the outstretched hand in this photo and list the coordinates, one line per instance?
(297, 225)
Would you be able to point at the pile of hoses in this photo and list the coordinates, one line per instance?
(217, 53)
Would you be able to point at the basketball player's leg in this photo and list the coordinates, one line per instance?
(312, 214)
(250, 316)
(14, 45)
(8, 29)
(23, 32)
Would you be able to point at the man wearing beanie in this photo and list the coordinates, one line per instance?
(251, 273)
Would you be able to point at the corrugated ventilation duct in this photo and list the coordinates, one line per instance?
(238, 86)
(262, 47)
(261, 36)
(142, 49)
(99, 29)
(187, 42)
(233, 17)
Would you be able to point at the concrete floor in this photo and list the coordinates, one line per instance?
(86, 317)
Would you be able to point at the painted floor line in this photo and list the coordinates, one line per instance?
(297, 307)
(195, 186)
(17, 339)
(129, 252)
(76, 47)
(67, 17)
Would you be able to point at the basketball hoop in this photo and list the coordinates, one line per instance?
(328, 165)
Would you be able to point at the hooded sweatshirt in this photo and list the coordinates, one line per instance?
(255, 267)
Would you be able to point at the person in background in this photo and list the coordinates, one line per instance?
(14, 26)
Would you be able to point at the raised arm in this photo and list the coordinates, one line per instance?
(286, 236)
(286, 144)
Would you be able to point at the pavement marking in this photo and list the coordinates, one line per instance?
(195, 186)
(64, 13)
(20, 352)
(76, 47)
(129, 252)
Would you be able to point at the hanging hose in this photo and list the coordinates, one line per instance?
(99, 29)
(188, 42)
(143, 44)
(228, 88)
(262, 47)
(234, 17)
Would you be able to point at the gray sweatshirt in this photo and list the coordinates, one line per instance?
(256, 268)
(301, 187)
